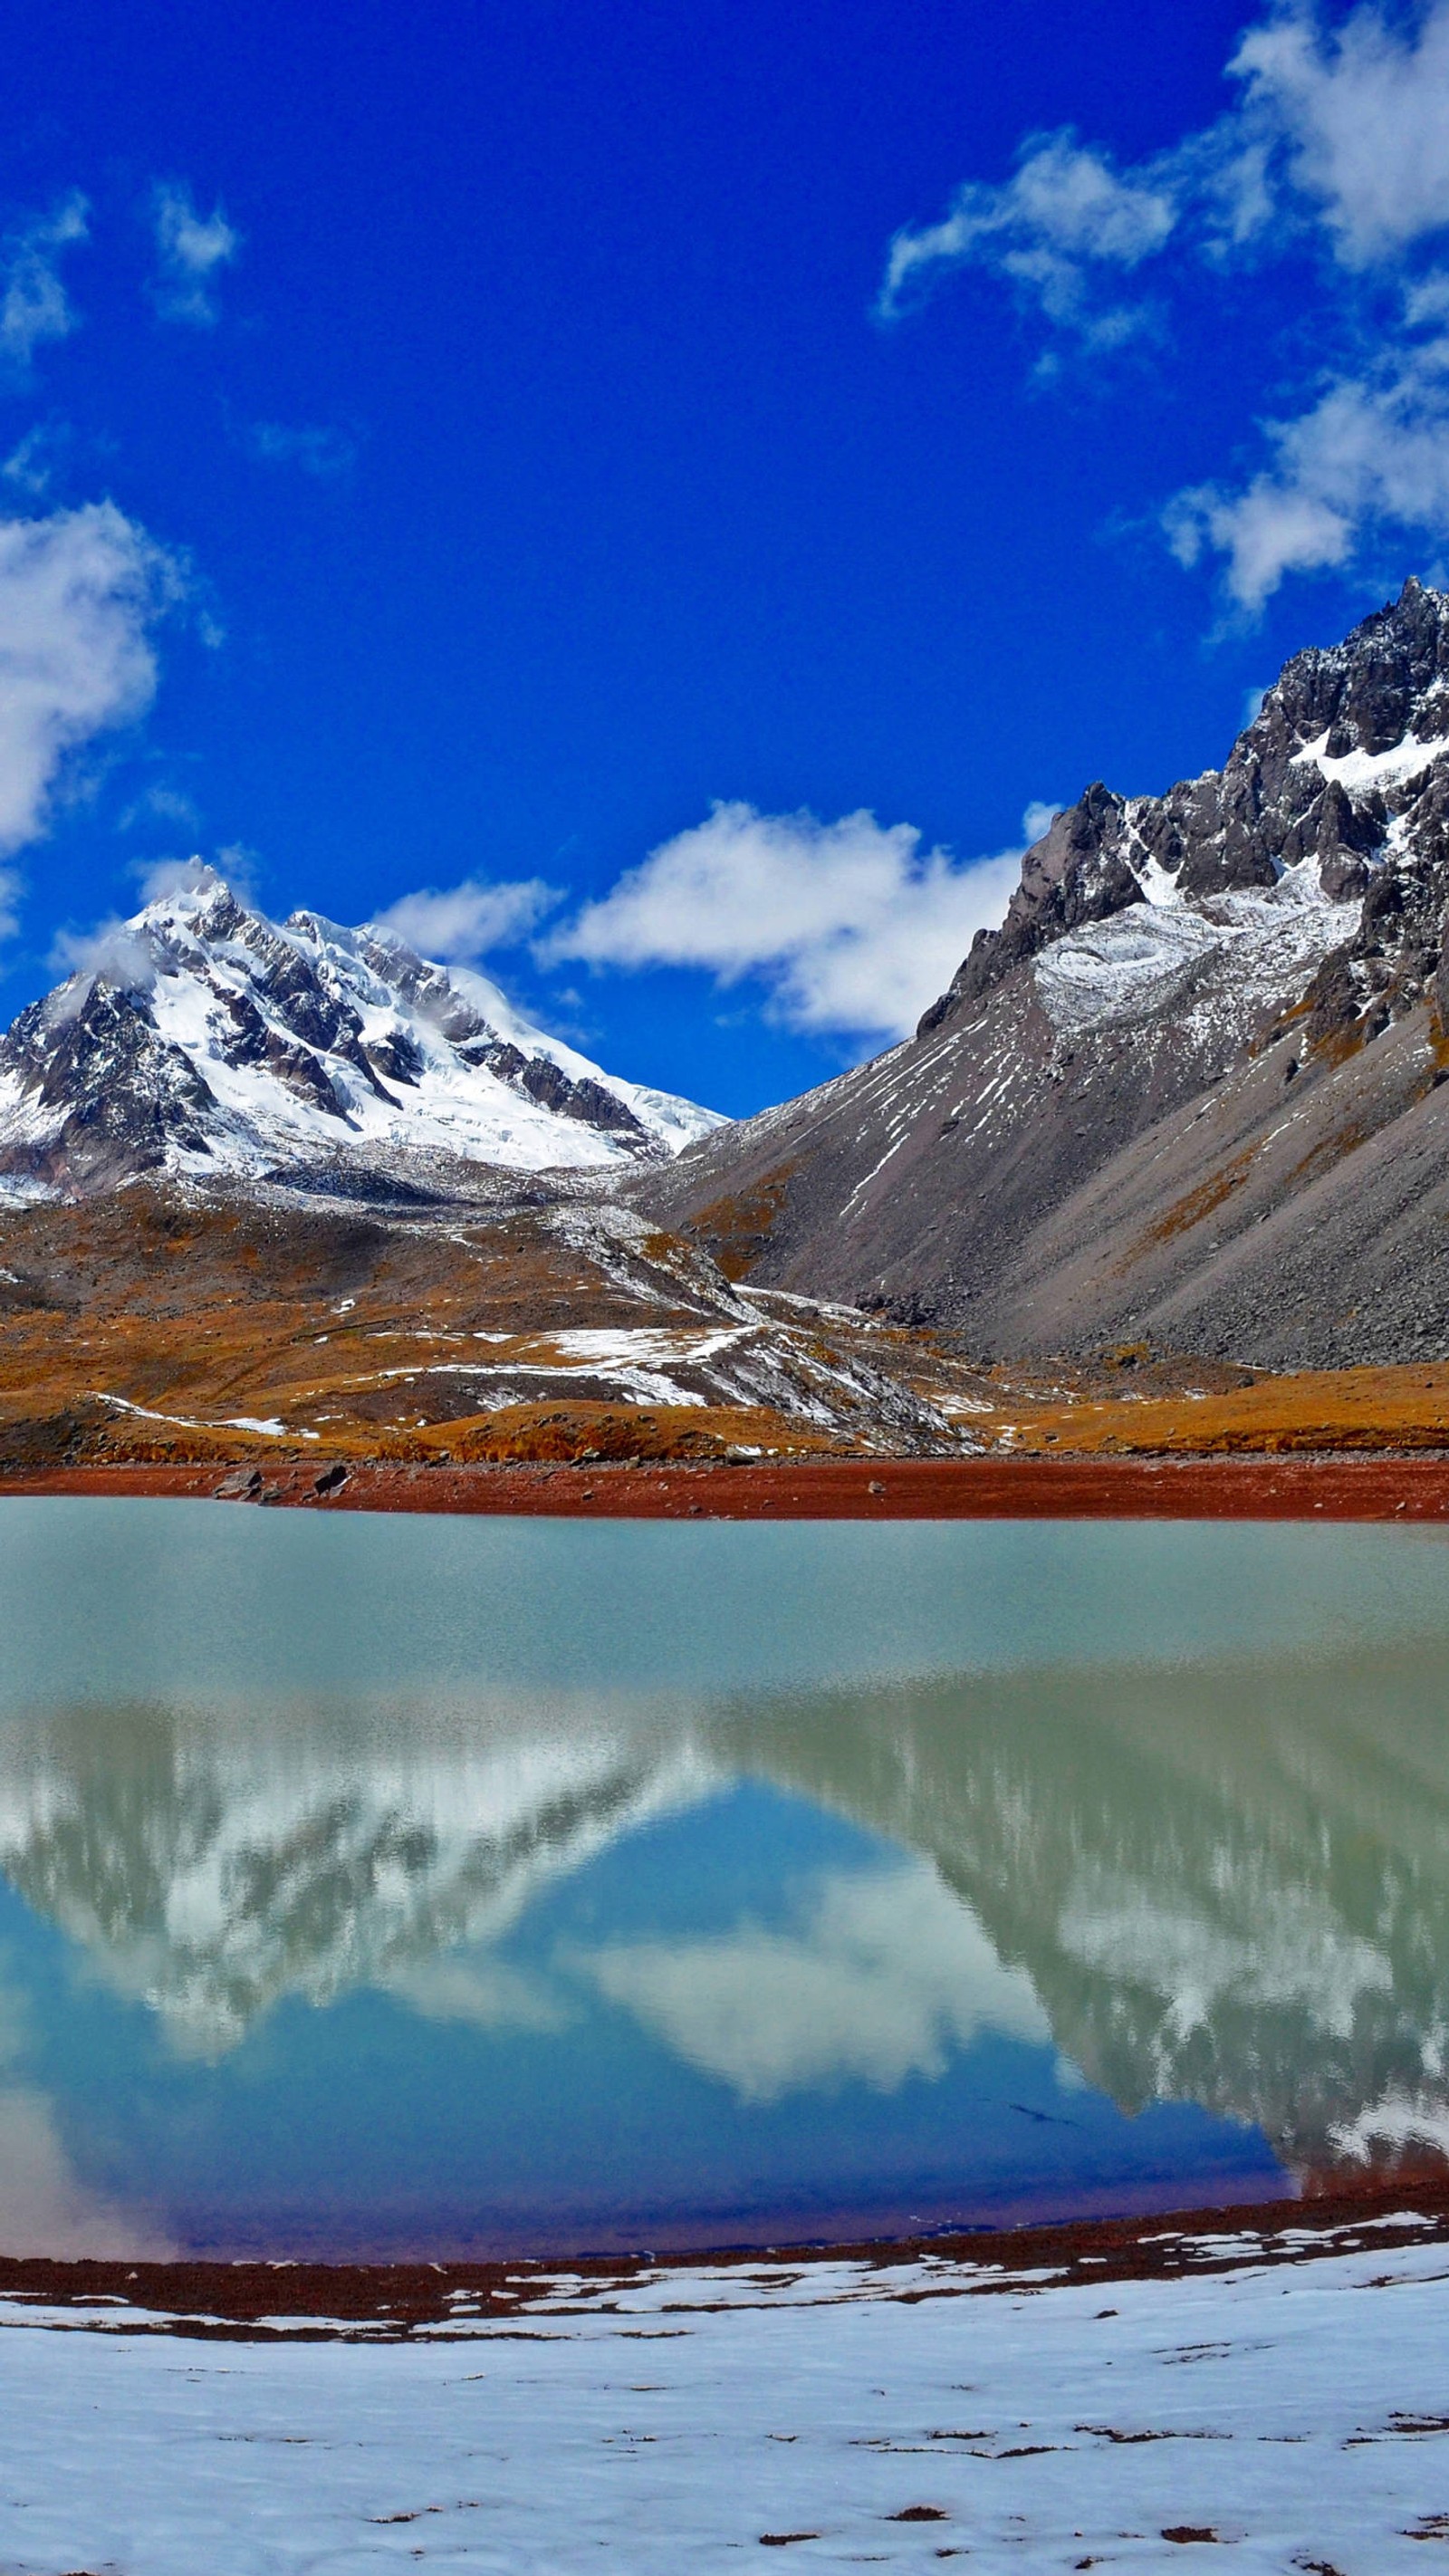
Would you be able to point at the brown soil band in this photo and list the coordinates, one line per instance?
(1338, 1488)
(251, 2300)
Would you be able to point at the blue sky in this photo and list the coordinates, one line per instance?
(541, 457)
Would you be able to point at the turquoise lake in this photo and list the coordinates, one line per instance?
(417, 1886)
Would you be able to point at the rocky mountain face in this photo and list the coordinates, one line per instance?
(1190, 1092)
(211, 1043)
(296, 1184)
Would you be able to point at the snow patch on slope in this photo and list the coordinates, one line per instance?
(1233, 954)
(1356, 769)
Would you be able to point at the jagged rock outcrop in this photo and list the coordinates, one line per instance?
(1190, 1090)
(211, 1043)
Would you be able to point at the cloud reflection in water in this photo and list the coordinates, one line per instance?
(885, 1972)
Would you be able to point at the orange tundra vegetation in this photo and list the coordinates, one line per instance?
(152, 1327)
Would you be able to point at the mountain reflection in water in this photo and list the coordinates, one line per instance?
(1226, 1885)
(469, 1966)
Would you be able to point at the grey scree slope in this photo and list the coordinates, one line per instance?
(1190, 1091)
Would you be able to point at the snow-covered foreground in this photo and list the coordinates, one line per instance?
(1298, 2415)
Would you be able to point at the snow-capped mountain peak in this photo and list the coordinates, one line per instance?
(205, 1040)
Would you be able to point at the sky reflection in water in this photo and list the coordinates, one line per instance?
(421, 1886)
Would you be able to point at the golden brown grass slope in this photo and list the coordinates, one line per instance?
(156, 1325)
(153, 1325)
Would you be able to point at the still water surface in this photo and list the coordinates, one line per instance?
(422, 1886)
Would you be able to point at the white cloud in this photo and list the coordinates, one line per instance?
(111, 949)
(1066, 207)
(476, 1989)
(1371, 453)
(160, 878)
(885, 1974)
(30, 466)
(1360, 115)
(1345, 131)
(323, 452)
(465, 921)
(78, 593)
(43, 2202)
(1038, 818)
(1265, 531)
(157, 879)
(850, 925)
(237, 862)
(1336, 150)
(33, 301)
(190, 248)
(161, 805)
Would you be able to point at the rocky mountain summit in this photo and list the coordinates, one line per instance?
(208, 1042)
(264, 1186)
(1190, 1090)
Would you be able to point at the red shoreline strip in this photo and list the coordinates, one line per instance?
(1339, 1488)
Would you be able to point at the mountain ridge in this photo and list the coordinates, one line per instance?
(1189, 1092)
(1189, 1099)
(212, 1044)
